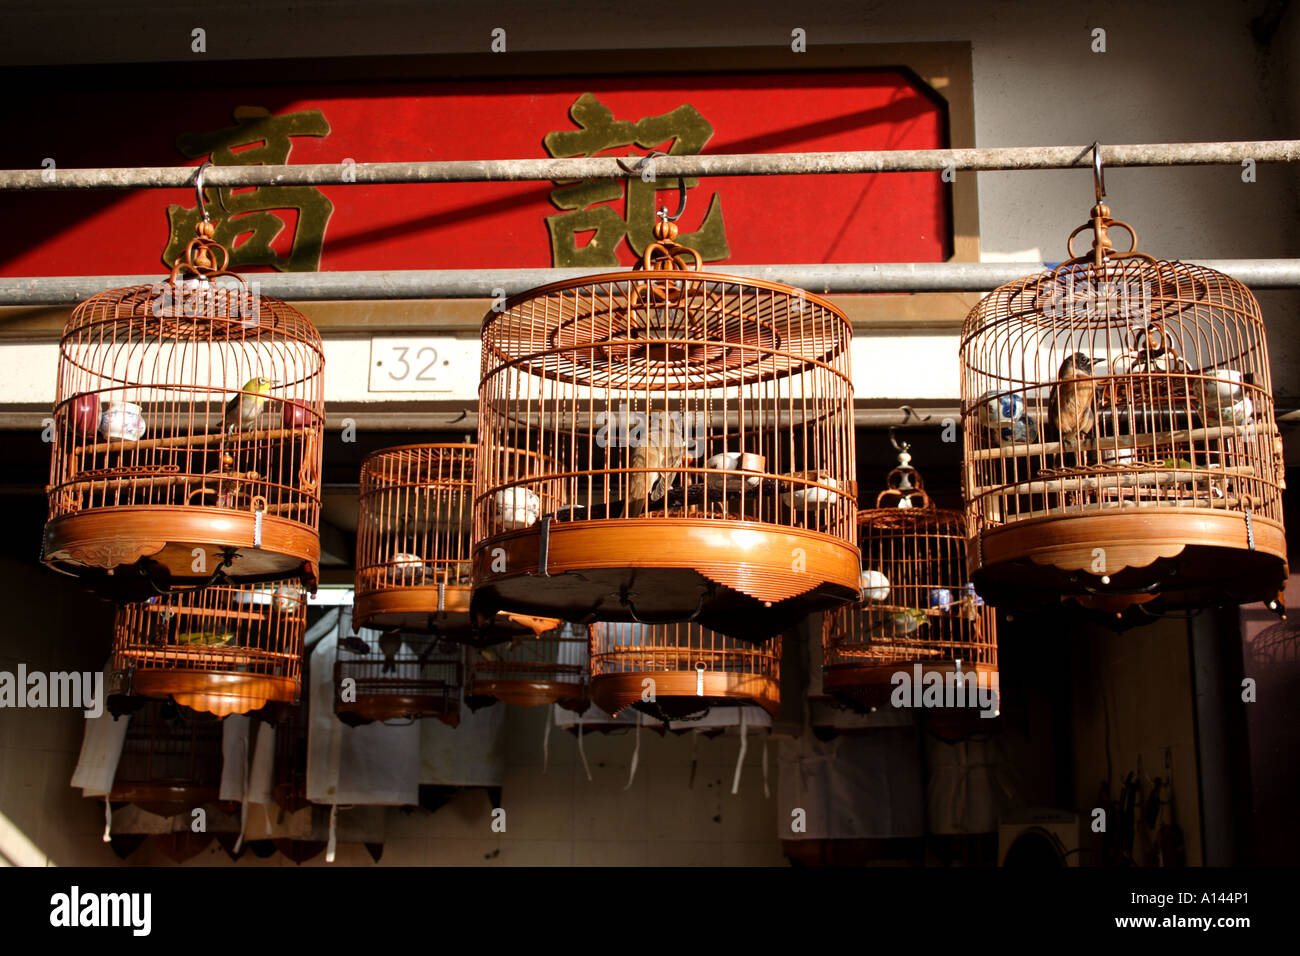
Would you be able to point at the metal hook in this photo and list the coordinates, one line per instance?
(1098, 173)
(198, 190)
(893, 440)
(641, 164)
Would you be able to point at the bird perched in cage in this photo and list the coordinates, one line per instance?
(662, 450)
(243, 410)
(205, 638)
(1072, 403)
(390, 644)
(356, 645)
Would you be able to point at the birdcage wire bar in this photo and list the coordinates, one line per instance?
(222, 650)
(186, 438)
(695, 440)
(692, 669)
(413, 546)
(397, 676)
(170, 762)
(1120, 437)
(550, 668)
(918, 608)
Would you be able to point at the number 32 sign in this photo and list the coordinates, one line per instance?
(420, 364)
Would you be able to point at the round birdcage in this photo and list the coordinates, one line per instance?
(673, 672)
(221, 650)
(527, 671)
(1120, 440)
(170, 762)
(919, 615)
(397, 676)
(694, 434)
(413, 547)
(186, 435)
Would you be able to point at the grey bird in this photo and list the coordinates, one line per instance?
(1072, 403)
(390, 643)
(663, 447)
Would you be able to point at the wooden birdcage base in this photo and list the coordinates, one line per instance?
(867, 687)
(522, 693)
(416, 609)
(385, 707)
(215, 692)
(676, 691)
(166, 800)
(1188, 556)
(118, 551)
(735, 577)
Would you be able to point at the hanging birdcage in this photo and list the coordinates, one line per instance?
(396, 675)
(222, 650)
(919, 615)
(1120, 440)
(676, 671)
(413, 547)
(186, 435)
(170, 762)
(692, 450)
(547, 669)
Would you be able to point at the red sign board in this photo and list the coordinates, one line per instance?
(799, 219)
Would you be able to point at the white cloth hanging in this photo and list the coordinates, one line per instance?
(969, 785)
(859, 787)
(234, 758)
(374, 764)
(471, 754)
(101, 750)
(259, 795)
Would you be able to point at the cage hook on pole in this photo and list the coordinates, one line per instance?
(198, 190)
(641, 164)
(1098, 173)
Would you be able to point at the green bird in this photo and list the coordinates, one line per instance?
(243, 410)
(205, 638)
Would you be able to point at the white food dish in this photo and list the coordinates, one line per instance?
(734, 461)
(122, 420)
(875, 586)
(517, 507)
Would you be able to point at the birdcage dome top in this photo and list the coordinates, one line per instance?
(682, 328)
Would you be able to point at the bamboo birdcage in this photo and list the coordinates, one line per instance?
(547, 669)
(413, 546)
(170, 763)
(222, 650)
(675, 671)
(918, 609)
(186, 435)
(1120, 439)
(692, 443)
(396, 675)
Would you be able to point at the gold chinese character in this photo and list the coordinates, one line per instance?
(252, 212)
(598, 131)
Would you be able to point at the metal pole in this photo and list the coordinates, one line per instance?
(741, 164)
(492, 283)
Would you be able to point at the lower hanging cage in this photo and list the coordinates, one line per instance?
(396, 676)
(170, 763)
(222, 650)
(530, 671)
(676, 672)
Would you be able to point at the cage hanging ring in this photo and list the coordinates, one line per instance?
(1108, 225)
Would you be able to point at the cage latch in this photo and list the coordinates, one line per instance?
(259, 509)
(442, 595)
(1250, 531)
(699, 678)
(544, 546)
